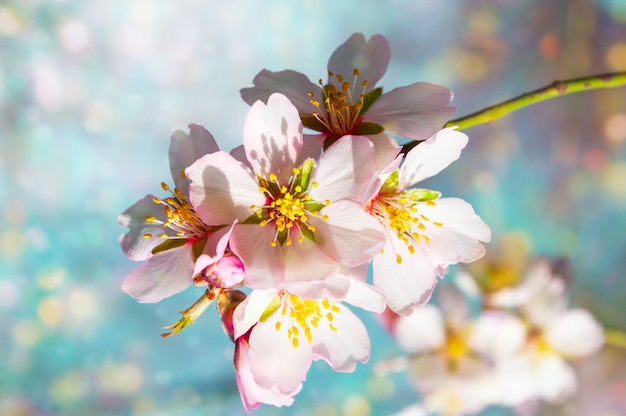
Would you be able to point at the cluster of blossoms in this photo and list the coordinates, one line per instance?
(283, 229)
(515, 351)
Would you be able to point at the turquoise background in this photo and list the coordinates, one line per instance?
(90, 92)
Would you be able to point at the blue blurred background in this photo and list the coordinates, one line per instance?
(90, 92)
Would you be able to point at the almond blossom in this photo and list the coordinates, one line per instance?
(297, 217)
(349, 101)
(557, 334)
(279, 332)
(167, 232)
(452, 356)
(424, 232)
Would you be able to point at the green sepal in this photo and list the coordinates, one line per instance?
(311, 122)
(307, 233)
(369, 99)
(391, 183)
(197, 248)
(259, 216)
(423, 195)
(282, 236)
(270, 309)
(314, 206)
(169, 244)
(303, 178)
(365, 128)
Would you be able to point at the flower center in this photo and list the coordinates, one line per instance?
(180, 217)
(288, 207)
(399, 212)
(300, 315)
(343, 104)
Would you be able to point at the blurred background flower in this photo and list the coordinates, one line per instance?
(90, 93)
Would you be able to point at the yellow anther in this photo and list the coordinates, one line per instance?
(335, 309)
(156, 200)
(398, 259)
(273, 177)
(296, 171)
(150, 218)
(262, 189)
(294, 329)
(295, 342)
(330, 316)
(300, 238)
(147, 235)
(315, 184)
(355, 72)
(278, 323)
(164, 186)
(182, 174)
(325, 218)
(326, 303)
(273, 243)
(163, 236)
(411, 249)
(437, 224)
(298, 188)
(332, 327)
(430, 203)
(421, 226)
(288, 241)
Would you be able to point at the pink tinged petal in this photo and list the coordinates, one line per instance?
(134, 244)
(186, 149)
(431, 157)
(267, 266)
(274, 359)
(222, 189)
(422, 331)
(344, 170)
(249, 312)
(252, 395)
(555, 378)
(333, 287)
(312, 147)
(293, 85)
(415, 111)
(162, 276)
(214, 248)
(350, 236)
(343, 344)
(575, 334)
(386, 149)
(497, 334)
(454, 232)
(272, 137)
(365, 296)
(405, 285)
(226, 272)
(371, 58)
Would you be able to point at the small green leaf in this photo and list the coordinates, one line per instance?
(369, 99)
(312, 206)
(365, 128)
(391, 183)
(307, 233)
(169, 244)
(282, 236)
(271, 308)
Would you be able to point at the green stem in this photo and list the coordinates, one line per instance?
(556, 89)
(615, 338)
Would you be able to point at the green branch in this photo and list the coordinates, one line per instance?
(556, 89)
(615, 338)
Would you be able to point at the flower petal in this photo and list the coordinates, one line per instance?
(222, 189)
(371, 58)
(186, 149)
(365, 296)
(267, 266)
(293, 85)
(252, 395)
(421, 332)
(431, 157)
(555, 378)
(274, 360)
(415, 111)
(133, 243)
(248, 312)
(344, 170)
(497, 334)
(163, 275)
(350, 235)
(405, 285)
(575, 334)
(344, 345)
(272, 137)
(459, 233)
